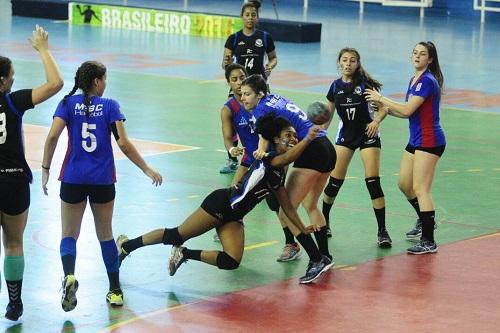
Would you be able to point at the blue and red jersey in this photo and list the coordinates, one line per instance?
(246, 133)
(285, 108)
(89, 156)
(425, 130)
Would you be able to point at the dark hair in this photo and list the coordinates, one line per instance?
(84, 77)
(232, 67)
(251, 4)
(434, 67)
(257, 83)
(270, 126)
(5, 66)
(360, 74)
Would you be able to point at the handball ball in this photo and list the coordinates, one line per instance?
(318, 113)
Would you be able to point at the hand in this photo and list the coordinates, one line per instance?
(154, 175)
(372, 95)
(268, 69)
(259, 154)
(45, 180)
(226, 61)
(311, 229)
(40, 39)
(236, 151)
(372, 128)
(313, 132)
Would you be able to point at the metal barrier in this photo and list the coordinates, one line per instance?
(486, 6)
(422, 4)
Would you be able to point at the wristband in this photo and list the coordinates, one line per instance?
(44, 167)
(230, 149)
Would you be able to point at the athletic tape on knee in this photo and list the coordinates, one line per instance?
(374, 188)
(172, 237)
(225, 261)
(333, 187)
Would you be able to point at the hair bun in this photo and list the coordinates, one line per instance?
(256, 3)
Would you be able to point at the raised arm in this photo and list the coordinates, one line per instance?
(401, 110)
(40, 42)
(128, 148)
(297, 150)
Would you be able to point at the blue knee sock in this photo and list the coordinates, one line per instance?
(68, 255)
(110, 257)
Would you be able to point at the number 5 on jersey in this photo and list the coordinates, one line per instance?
(86, 128)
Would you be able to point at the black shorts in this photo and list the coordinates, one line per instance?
(217, 204)
(76, 193)
(14, 197)
(319, 155)
(439, 150)
(361, 142)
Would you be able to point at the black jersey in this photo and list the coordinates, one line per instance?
(13, 164)
(257, 183)
(250, 51)
(352, 109)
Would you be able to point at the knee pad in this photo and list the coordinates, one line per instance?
(374, 188)
(172, 237)
(333, 187)
(272, 202)
(225, 261)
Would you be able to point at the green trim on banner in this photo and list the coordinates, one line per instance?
(153, 20)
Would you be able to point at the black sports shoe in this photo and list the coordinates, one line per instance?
(384, 240)
(14, 311)
(315, 269)
(423, 247)
(416, 232)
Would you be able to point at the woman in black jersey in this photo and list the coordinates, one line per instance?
(358, 128)
(224, 209)
(248, 47)
(15, 174)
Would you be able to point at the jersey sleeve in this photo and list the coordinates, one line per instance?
(114, 112)
(230, 42)
(62, 111)
(424, 88)
(270, 47)
(22, 100)
(330, 95)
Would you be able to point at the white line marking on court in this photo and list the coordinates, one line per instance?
(475, 170)
(450, 171)
(259, 245)
(193, 196)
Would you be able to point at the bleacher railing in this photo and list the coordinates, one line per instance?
(486, 6)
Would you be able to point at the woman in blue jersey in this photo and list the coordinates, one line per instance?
(248, 47)
(14, 170)
(358, 128)
(225, 209)
(234, 116)
(88, 172)
(427, 140)
(311, 170)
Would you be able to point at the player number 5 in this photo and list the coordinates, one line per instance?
(87, 135)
